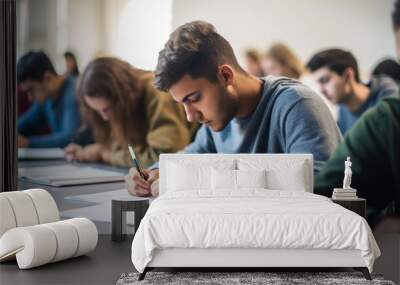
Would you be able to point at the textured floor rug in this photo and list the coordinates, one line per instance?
(230, 278)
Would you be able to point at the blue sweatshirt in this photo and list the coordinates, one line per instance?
(62, 115)
(289, 118)
(381, 87)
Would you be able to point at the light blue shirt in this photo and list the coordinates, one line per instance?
(62, 115)
(289, 118)
(381, 87)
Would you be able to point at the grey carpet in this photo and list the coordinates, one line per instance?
(225, 278)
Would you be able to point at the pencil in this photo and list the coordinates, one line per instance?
(136, 162)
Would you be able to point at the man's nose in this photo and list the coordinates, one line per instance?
(191, 113)
(104, 116)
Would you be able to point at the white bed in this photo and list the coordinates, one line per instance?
(242, 210)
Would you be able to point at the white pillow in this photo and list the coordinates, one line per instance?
(225, 179)
(183, 177)
(193, 175)
(293, 179)
(251, 178)
(281, 174)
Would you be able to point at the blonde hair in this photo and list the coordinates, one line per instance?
(253, 54)
(287, 58)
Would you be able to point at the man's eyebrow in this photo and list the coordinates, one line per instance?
(188, 95)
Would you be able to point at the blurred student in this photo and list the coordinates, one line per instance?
(253, 63)
(374, 147)
(388, 67)
(71, 64)
(280, 60)
(24, 101)
(122, 107)
(396, 25)
(54, 103)
(240, 113)
(337, 73)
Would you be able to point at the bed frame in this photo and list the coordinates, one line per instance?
(246, 258)
(242, 259)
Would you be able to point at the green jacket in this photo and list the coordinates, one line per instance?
(374, 147)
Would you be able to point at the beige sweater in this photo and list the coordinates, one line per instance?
(168, 130)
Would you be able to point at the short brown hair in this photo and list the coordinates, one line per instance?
(196, 49)
(337, 60)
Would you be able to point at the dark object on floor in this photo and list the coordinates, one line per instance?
(118, 216)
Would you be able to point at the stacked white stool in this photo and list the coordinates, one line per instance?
(31, 231)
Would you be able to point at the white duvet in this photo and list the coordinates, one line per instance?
(250, 219)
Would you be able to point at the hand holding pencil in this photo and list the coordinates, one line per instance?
(141, 182)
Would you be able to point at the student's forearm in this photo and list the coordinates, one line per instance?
(30, 120)
(106, 155)
(51, 140)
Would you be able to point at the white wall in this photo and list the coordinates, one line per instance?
(40, 35)
(85, 29)
(136, 30)
(55, 26)
(143, 28)
(362, 26)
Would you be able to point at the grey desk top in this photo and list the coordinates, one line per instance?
(92, 200)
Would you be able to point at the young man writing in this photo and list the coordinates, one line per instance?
(240, 113)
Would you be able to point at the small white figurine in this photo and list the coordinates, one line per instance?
(347, 174)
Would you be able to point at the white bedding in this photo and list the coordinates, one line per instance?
(252, 218)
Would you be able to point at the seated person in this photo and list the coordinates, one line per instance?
(240, 113)
(24, 101)
(55, 103)
(396, 25)
(253, 63)
(388, 67)
(280, 60)
(336, 71)
(373, 145)
(122, 107)
(71, 63)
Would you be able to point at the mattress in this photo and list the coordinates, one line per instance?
(250, 219)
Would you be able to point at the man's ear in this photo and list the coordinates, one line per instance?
(226, 74)
(349, 75)
(47, 77)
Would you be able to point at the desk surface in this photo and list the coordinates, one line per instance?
(91, 200)
(102, 266)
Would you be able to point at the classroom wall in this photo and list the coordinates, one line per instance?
(136, 30)
(55, 26)
(141, 29)
(84, 27)
(362, 26)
